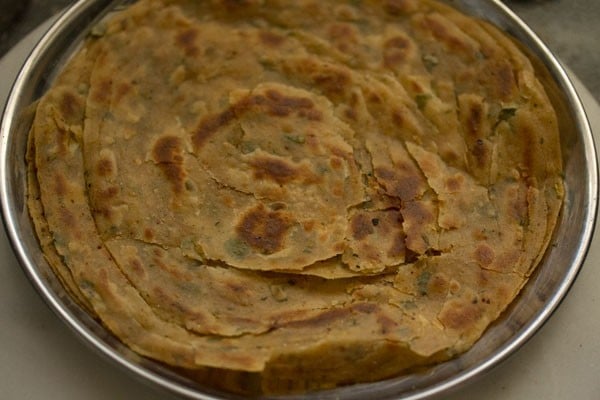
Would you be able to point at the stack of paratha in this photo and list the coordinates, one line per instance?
(302, 194)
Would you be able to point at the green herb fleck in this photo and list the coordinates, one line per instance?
(247, 147)
(422, 99)
(298, 139)
(409, 305)
(236, 248)
(278, 293)
(190, 186)
(423, 282)
(322, 169)
(98, 30)
(86, 285)
(430, 61)
(507, 113)
(267, 63)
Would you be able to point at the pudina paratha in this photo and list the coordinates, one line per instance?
(288, 193)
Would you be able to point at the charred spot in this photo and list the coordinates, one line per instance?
(311, 114)
(386, 324)
(122, 90)
(158, 252)
(480, 152)
(333, 83)
(365, 308)
(350, 113)
(109, 192)
(419, 217)
(280, 105)
(344, 36)
(396, 50)
(398, 247)
(174, 174)
(136, 266)
(504, 79)
(105, 167)
(459, 315)
(69, 106)
(399, 7)
(337, 190)
(484, 255)
(433, 253)
(67, 217)
(440, 31)
(404, 186)
(475, 120)
(105, 212)
(235, 288)
(454, 183)
(186, 40)
(148, 234)
(274, 169)
(325, 318)
(335, 162)
(277, 206)
(103, 91)
(172, 304)
(361, 227)
(264, 230)
(342, 31)
(168, 149)
(328, 317)
(353, 99)
(438, 286)
(308, 225)
(410, 256)
(519, 209)
(238, 5)
(210, 125)
(167, 153)
(398, 118)
(527, 135)
(374, 98)
(271, 39)
(60, 186)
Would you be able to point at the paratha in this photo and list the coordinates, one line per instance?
(295, 195)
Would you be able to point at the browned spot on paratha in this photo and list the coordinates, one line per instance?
(274, 169)
(362, 226)
(105, 167)
(460, 315)
(271, 39)
(264, 230)
(397, 50)
(167, 154)
(209, 125)
(399, 7)
(484, 255)
(187, 41)
(69, 105)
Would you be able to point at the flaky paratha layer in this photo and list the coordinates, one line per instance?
(289, 193)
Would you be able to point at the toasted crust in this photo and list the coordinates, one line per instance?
(289, 193)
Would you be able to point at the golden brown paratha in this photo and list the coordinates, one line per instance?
(288, 193)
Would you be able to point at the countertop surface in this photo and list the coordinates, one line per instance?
(41, 359)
